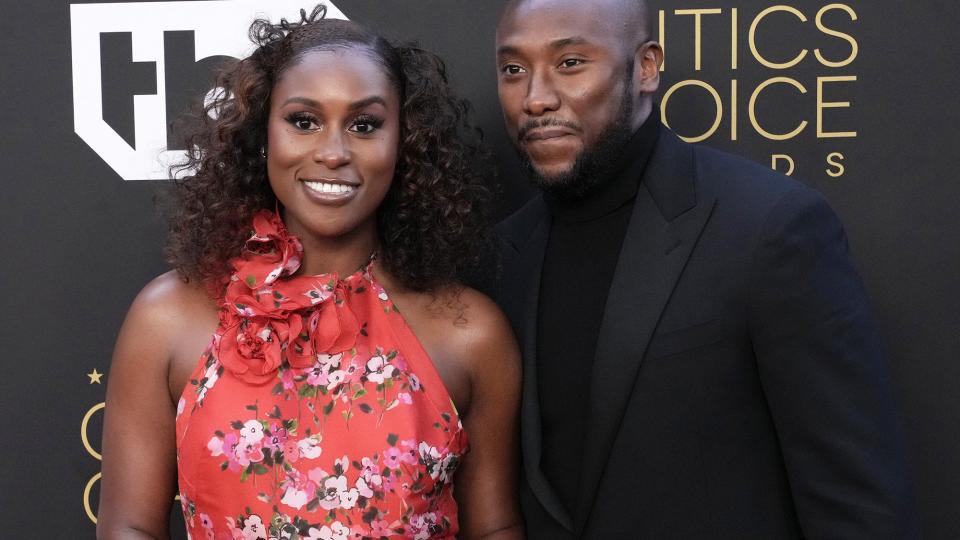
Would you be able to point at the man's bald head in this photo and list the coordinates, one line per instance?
(629, 18)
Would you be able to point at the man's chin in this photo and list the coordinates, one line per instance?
(552, 175)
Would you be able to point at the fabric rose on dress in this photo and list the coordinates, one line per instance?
(252, 348)
(269, 253)
(266, 321)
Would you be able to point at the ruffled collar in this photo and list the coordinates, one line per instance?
(271, 318)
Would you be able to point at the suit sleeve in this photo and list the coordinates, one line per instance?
(826, 379)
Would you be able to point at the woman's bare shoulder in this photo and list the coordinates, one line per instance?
(169, 294)
(172, 306)
(473, 325)
(166, 329)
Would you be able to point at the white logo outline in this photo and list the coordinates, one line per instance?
(220, 29)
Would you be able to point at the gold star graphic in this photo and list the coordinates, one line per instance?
(94, 377)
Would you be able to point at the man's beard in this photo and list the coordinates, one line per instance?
(593, 165)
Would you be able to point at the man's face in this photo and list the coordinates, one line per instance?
(564, 84)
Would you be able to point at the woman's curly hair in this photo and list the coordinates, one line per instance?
(433, 223)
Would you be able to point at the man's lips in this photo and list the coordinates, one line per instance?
(546, 133)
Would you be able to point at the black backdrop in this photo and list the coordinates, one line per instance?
(80, 240)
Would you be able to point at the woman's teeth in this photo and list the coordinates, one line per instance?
(325, 187)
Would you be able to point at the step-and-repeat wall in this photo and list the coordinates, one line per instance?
(855, 98)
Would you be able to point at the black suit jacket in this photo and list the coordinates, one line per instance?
(739, 389)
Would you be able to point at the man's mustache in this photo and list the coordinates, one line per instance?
(545, 122)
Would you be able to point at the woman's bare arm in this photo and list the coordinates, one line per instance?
(139, 448)
(486, 483)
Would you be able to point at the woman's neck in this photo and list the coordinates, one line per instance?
(342, 254)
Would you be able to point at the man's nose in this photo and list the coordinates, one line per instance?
(332, 149)
(541, 96)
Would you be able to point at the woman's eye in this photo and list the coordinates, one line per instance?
(302, 122)
(365, 125)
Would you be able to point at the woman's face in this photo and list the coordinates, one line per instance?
(333, 134)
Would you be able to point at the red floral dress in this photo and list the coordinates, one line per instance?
(314, 413)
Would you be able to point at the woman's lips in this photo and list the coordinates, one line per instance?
(329, 191)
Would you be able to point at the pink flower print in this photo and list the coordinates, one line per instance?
(380, 527)
(335, 531)
(286, 377)
(246, 311)
(421, 526)
(226, 447)
(318, 294)
(430, 457)
(405, 398)
(252, 432)
(209, 378)
(414, 382)
(235, 532)
(317, 375)
(215, 445)
(253, 529)
(379, 369)
(249, 453)
(291, 451)
(309, 447)
(359, 532)
(448, 466)
(354, 372)
(381, 293)
(387, 483)
(348, 499)
(334, 488)
(329, 361)
(400, 362)
(294, 498)
(370, 474)
(363, 489)
(275, 441)
(315, 478)
(205, 521)
(392, 457)
(411, 455)
(335, 379)
(180, 405)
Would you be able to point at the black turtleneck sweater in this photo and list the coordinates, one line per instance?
(581, 256)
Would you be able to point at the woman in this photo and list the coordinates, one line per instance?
(324, 238)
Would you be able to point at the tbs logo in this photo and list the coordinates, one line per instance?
(136, 66)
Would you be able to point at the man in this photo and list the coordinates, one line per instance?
(699, 357)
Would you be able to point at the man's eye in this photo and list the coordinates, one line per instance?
(571, 62)
(512, 69)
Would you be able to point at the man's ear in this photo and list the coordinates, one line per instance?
(646, 67)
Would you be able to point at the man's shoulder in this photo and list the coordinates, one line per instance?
(727, 173)
(741, 185)
(515, 229)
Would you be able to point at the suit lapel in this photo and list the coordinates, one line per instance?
(524, 302)
(665, 225)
